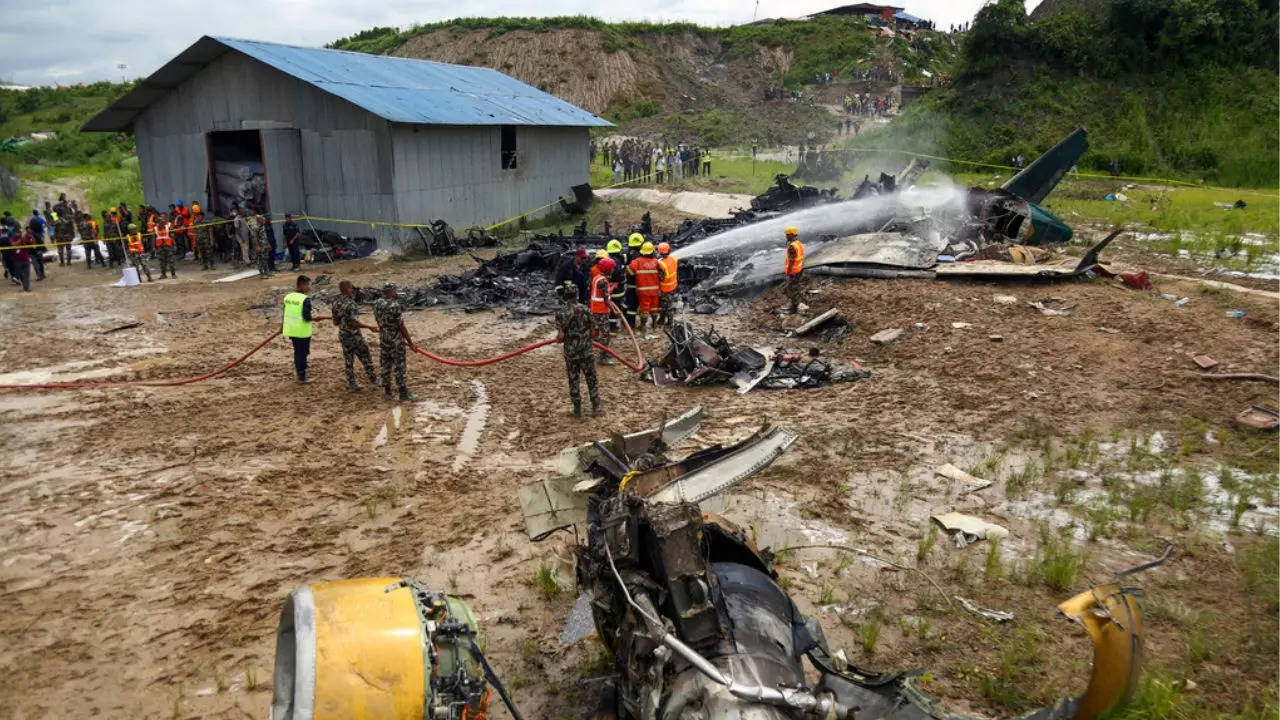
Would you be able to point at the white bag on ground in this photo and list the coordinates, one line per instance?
(129, 278)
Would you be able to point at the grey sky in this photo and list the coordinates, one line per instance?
(69, 41)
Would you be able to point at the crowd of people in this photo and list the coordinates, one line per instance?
(632, 159)
(244, 236)
(868, 104)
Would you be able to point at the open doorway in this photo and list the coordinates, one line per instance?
(236, 172)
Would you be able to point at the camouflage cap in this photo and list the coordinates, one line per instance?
(388, 285)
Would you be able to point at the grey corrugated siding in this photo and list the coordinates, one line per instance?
(340, 144)
(455, 173)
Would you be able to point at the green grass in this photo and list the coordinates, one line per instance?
(1208, 124)
(545, 580)
(1056, 563)
(729, 174)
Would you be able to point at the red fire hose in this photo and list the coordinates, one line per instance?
(81, 385)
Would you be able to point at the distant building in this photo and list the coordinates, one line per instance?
(868, 10)
(349, 135)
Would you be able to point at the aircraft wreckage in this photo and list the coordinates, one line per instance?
(688, 607)
(890, 228)
(692, 613)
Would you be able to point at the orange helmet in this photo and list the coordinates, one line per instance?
(664, 248)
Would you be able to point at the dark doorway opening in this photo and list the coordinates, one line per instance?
(236, 173)
(509, 147)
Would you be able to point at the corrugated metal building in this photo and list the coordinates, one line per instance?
(350, 135)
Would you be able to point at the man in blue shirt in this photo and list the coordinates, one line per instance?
(37, 227)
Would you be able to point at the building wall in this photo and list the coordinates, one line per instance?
(455, 172)
(345, 152)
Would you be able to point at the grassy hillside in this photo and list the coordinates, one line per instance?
(685, 82)
(104, 165)
(1165, 89)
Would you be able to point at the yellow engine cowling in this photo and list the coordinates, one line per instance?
(367, 649)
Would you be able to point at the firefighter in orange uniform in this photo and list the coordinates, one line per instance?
(648, 274)
(670, 281)
(601, 289)
(793, 266)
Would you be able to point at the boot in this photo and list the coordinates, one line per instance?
(354, 386)
(597, 408)
(386, 390)
(577, 409)
(303, 379)
(405, 395)
(373, 380)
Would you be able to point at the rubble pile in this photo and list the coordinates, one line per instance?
(706, 357)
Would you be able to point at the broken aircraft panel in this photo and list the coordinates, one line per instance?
(762, 449)
(880, 249)
(674, 432)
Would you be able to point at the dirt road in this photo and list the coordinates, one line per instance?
(150, 535)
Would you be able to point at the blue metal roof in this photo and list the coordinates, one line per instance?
(401, 90)
(907, 17)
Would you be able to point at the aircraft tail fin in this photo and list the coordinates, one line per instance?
(1038, 179)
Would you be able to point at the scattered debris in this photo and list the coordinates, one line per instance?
(831, 323)
(1005, 300)
(961, 325)
(995, 338)
(976, 609)
(1053, 307)
(951, 472)
(1234, 313)
(1237, 205)
(1109, 331)
(1204, 362)
(967, 529)
(126, 326)
(1259, 418)
(884, 337)
(700, 358)
(640, 464)
(1136, 279)
(785, 196)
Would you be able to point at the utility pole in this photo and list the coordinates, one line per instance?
(755, 12)
(123, 66)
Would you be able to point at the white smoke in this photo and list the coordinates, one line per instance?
(838, 218)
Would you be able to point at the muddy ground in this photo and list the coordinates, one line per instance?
(150, 535)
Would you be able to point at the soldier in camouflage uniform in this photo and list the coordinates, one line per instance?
(392, 338)
(258, 237)
(205, 244)
(89, 240)
(63, 229)
(574, 323)
(345, 311)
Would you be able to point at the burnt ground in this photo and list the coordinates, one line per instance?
(150, 535)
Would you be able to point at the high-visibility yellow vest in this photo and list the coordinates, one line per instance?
(294, 325)
(670, 281)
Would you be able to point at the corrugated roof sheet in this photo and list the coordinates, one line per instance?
(400, 90)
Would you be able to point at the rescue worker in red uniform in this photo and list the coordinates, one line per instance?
(793, 267)
(601, 287)
(647, 274)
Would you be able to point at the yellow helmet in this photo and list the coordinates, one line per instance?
(602, 254)
(614, 246)
(636, 240)
(646, 249)
(792, 232)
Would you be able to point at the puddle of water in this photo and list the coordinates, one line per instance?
(773, 524)
(477, 416)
